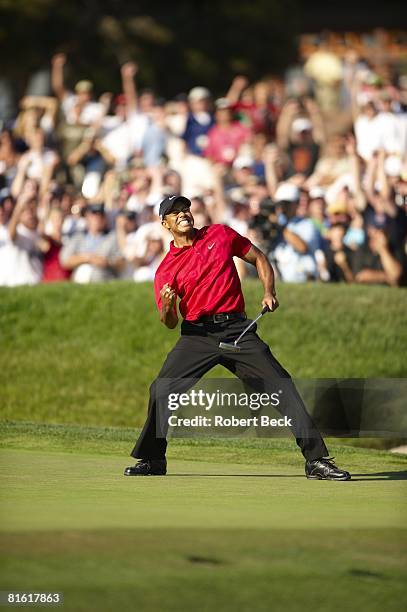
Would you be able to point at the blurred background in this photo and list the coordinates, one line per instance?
(285, 120)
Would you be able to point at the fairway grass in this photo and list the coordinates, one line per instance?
(233, 526)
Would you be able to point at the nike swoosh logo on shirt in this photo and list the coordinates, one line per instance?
(211, 245)
(172, 197)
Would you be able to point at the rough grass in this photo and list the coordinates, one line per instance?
(87, 354)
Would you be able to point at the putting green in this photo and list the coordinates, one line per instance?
(248, 534)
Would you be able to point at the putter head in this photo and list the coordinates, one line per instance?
(229, 346)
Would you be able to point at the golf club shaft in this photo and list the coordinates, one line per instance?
(263, 312)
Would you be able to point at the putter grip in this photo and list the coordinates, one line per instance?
(265, 309)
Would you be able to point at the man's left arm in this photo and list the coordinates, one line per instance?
(257, 258)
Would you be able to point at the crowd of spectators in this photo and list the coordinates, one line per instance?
(312, 168)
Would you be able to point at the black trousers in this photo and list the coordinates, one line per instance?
(197, 351)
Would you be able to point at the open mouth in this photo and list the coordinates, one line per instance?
(184, 222)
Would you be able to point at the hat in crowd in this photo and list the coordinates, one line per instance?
(243, 161)
(393, 166)
(316, 192)
(84, 87)
(199, 93)
(222, 103)
(129, 214)
(169, 202)
(97, 209)
(338, 208)
(301, 124)
(287, 192)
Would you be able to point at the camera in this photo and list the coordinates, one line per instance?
(266, 224)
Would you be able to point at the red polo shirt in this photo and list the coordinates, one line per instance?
(203, 274)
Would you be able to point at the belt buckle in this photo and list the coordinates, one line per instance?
(219, 318)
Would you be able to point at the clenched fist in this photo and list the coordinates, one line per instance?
(168, 297)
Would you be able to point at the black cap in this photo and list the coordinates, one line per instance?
(95, 208)
(129, 214)
(168, 203)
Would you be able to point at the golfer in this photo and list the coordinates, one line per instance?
(200, 271)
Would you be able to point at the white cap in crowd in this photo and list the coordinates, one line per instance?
(287, 192)
(243, 161)
(316, 192)
(302, 124)
(199, 93)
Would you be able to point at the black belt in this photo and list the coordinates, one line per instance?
(222, 317)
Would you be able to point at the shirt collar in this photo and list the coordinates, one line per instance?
(178, 250)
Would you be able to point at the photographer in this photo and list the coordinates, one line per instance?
(296, 239)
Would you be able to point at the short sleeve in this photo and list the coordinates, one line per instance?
(239, 244)
(158, 283)
(71, 247)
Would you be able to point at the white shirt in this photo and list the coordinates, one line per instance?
(296, 267)
(38, 161)
(123, 140)
(90, 113)
(20, 263)
(367, 136)
(196, 174)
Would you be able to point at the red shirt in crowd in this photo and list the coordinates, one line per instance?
(203, 274)
(224, 142)
(52, 270)
(260, 119)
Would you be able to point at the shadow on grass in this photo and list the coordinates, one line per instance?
(372, 476)
(382, 476)
(241, 475)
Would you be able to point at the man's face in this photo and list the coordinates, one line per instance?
(179, 220)
(96, 222)
(289, 208)
(199, 106)
(29, 216)
(336, 235)
(223, 115)
(83, 97)
(316, 207)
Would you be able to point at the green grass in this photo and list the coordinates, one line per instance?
(87, 354)
(234, 525)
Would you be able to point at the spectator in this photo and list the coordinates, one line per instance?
(373, 262)
(77, 107)
(93, 256)
(143, 248)
(8, 159)
(324, 207)
(338, 254)
(38, 163)
(253, 106)
(21, 255)
(88, 163)
(226, 136)
(199, 120)
(300, 132)
(51, 245)
(294, 255)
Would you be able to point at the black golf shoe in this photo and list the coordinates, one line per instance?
(325, 469)
(147, 467)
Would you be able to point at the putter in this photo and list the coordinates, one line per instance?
(232, 346)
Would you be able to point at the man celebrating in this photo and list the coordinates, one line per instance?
(199, 269)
